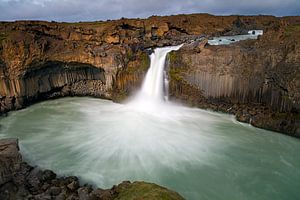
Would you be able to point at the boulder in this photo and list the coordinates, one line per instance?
(113, 39)
(10, 159)
(145, 191)
(162, 29)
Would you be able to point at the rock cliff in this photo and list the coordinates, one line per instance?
(256, 80)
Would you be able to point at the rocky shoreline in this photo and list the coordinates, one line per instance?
(19, 180)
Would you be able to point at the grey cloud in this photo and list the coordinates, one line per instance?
(89, 10)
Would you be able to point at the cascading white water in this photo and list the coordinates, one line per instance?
(154, 83)
(154, 91)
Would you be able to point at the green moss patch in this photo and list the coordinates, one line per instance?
(285, 115)
(173, 56)
(293, 31)
(145, 61)
(176, 67)
(3, 36)
(141, 65)
(145, 191)
(175, 74)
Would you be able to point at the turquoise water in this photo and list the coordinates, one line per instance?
(200, 154)
(225, 40)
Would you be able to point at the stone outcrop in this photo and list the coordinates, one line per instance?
(19, 181)
(41, 60)
(10, 159)
(257, 80)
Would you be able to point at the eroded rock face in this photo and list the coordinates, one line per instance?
(10, 159)
(41, 60)
(256, 80)
(51, 79)
(18, 180)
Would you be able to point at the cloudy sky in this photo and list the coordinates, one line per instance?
(91, 10)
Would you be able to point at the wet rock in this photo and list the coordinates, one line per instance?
(243, 117)
(100, 194)
(83, 193)
(48, 175)
(73, 185)
(10, 159)
(33, 180)
(54, 191)
(45, 186)
(297, 132)
(8, 191)
(42, 197)
(72, 197)
(61, 196)
(56, 182)
(70, 179)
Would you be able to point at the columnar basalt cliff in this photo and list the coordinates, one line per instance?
(257, 80)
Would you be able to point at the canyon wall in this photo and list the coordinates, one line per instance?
(41, 60)
(258, 80)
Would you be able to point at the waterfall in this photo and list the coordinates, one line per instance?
(156, 83)
(154, 90)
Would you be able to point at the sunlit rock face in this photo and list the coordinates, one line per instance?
(254, 79)
(114, 56)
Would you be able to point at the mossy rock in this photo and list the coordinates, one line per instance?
(173, 56)
(177, 73)
(145, 61)
(3, 36)
(176, 66)
(145, 191)
(139, 63)
(293, 31)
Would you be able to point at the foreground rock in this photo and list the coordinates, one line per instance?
(10, 159)
(18, 180)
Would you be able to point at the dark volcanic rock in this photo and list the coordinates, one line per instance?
(10, 159)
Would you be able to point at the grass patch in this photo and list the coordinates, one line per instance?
(176, 74)
(177, 67)
(3, 36)
(293, 31)
(145, 61)
(146, 191)
(286, 115)
(173, 58)
(141, 62)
